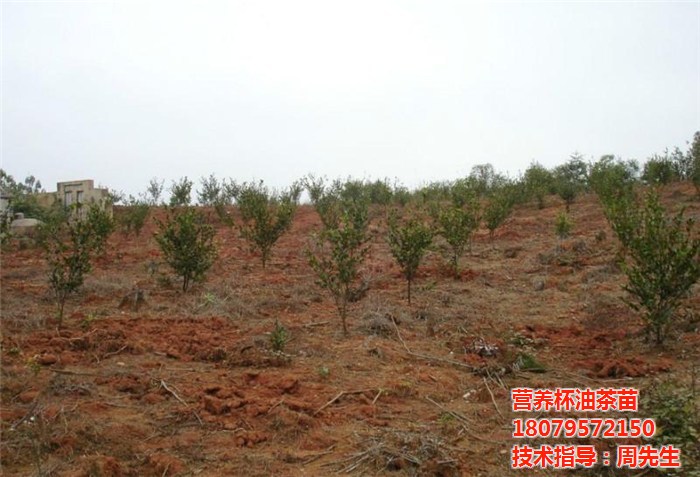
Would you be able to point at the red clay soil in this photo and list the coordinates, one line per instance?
(187, 384)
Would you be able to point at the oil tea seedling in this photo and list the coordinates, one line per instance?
(187, 242)
(265, 215)
(68, 246)
(457, 223)
(409, 241)
(662, 262)
(134, 216)
(279, 338)
(563, 225)
(339, 253)
(101, 225)
(497, 211)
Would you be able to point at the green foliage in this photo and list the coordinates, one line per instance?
(498, 209)
(485, 180)
(102, 225)
(694, 154)
(661, 260)
(660, 170)
(68, 246)
(409, 241)
(457, 223)
(211, 190)
(674, 408)
(154, 192)
(265, 215)
(133, 216)
(527, 362)
(181, 192)
(340, 251)
(325, 199)
(279, 337)
(570, 179)
(187, 242)
(538, 181)
(218, 195)
(23, 196)
(611, 178)
(563, 225)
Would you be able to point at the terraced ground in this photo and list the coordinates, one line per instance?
(188, 384)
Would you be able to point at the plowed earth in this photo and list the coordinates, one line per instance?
(187, 384)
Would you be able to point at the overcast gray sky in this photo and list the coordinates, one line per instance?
(420, 90)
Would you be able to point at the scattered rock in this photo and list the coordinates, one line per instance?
(27, 396)
(47, 359)
(165, 464)
(511, 252)
(538, 284)
(215, 405)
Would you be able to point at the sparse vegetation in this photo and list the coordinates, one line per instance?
(505, 318)
(187, 242)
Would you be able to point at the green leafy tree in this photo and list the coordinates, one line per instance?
(133, 215)
(409, 241)
(340, 251)
(23, 195)
(694, 154)
(610, 178)
(498, 209)
(101, 223)
(181, 192)
(68, 246)
(457, 223)
(661, 261)
(218, 195)
(485, 180)
(325, 199)
(154, 191)
(211, 190)
(538, 181)
(187, 242)
(265, 215)
(570, 179)
(660, 170)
